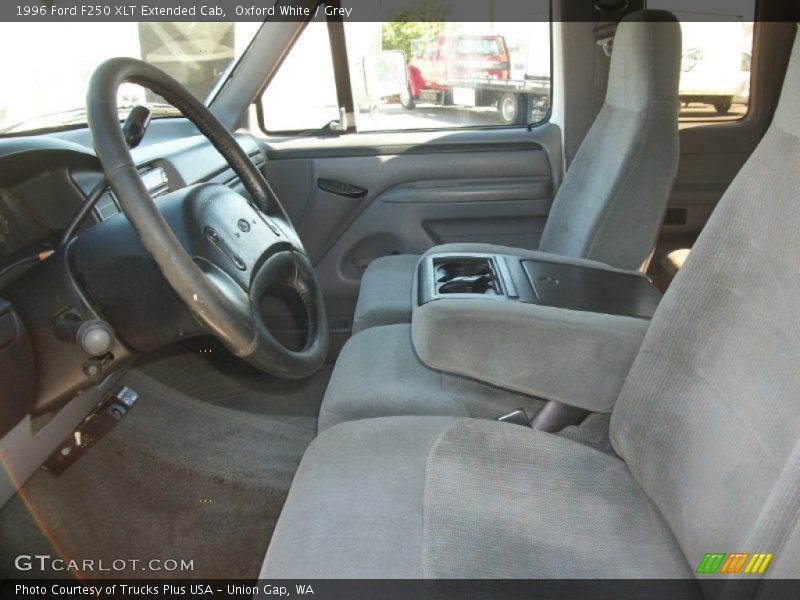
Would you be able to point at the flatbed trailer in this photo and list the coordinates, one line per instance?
(518, 102)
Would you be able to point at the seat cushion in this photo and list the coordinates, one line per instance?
(385, 294)
(430, 497)
(355, 506)
(385, 297)
(378, 374)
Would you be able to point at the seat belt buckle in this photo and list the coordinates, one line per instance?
(516, 417)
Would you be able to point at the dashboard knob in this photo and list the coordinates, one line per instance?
(95, 337)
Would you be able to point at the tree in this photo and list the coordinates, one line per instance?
(419, 22)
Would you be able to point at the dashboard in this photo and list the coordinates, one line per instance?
(44, 181)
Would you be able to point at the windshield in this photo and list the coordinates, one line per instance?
(50, 65)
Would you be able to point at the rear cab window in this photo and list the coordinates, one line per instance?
(715, 60)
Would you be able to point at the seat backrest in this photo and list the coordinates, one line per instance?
(708, 420)
(611, 203)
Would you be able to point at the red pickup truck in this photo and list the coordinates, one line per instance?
(471, 70)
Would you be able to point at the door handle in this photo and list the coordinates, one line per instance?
(340, 188)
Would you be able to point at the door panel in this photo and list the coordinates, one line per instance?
(701, 181)
(332, 219)
(405, 192)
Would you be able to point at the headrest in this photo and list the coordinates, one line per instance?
(645, 60)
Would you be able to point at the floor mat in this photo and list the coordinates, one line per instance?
(176, 479)
(217, 377)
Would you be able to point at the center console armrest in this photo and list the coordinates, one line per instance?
(538, 324)
(576, 357)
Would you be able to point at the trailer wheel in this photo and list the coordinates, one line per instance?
(723, 105)
(513, 108)
(407, 99)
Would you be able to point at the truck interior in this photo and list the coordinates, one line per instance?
(525, 308)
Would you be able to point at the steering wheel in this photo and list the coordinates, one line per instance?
(238, 248)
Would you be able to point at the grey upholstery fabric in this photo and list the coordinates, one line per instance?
(575, 357)
(412, 497)
(592, 432)
(388, 283)
(707, 425)
(784, 565)
(610, 206)
(787, 115)
(378, 374)
(611, 203)
(709, 418)
(508, 502)
(385, 295)
(355, 507)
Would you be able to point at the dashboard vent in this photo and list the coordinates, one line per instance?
(258, 159)
(106, 206)
(156, 181)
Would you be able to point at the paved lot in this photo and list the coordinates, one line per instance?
(431, 116)
(426, 116)
(700, 114)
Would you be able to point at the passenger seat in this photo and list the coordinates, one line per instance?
(610, 206)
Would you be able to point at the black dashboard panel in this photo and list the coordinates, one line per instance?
(44, 182)
(45, 179)
(536, 281)
(37, 194)
(17, 372)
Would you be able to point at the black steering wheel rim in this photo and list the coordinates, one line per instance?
(207, 293)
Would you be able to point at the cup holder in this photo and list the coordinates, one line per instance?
(465, 276)
(448, 271)
(480, 284)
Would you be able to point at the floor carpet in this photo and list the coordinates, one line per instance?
(198, 470)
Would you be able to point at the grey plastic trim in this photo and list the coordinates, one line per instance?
(395, 149)
(443, 140)
(256, 68)
(25, 448)
(492, 190)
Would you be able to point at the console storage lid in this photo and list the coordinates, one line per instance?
(593, 290)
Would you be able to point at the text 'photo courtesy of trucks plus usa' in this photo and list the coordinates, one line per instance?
(400, 299)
